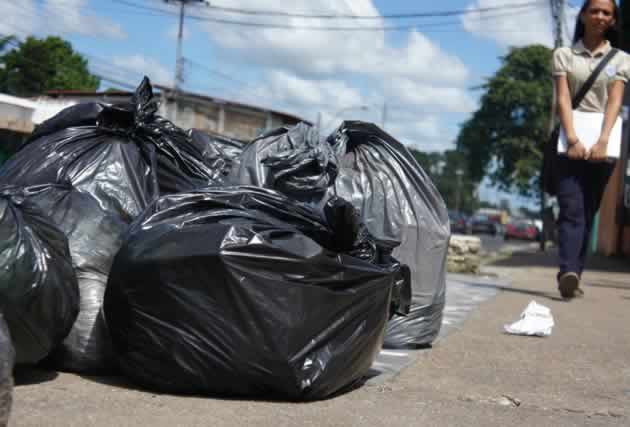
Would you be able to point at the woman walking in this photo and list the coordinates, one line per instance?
(583, 173)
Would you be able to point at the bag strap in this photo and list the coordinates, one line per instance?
(579, 96)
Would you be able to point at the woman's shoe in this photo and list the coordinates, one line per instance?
(568, 284)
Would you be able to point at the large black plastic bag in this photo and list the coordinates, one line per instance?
(219, 153)
(398, 202)
(94, 236)
(241, 291)
(290, 160)
(38, 289)
(7, 357)
(123, 155)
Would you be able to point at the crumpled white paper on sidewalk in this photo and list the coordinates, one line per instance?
(536, 320)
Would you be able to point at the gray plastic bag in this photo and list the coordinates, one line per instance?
(398, 202)
(94, 237)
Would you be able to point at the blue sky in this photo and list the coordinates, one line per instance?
(424, 75)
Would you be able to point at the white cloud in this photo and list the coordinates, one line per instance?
(516, 26)
(67, 17)
(28, 17)
(142, 65)
(325, 52)
(424, 96)
(311, 92)
(416, 122)
(18, 18)
(348, 75)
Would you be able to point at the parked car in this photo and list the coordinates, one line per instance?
(524, 230)
(480, 223)
(458, 221)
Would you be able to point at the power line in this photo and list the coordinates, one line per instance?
(267, 25)
(216, 72)
(422, 26)
(148, 11)
(371, 17)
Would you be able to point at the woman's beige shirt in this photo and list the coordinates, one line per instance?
(577, 63)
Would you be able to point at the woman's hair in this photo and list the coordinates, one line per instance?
(612, 34)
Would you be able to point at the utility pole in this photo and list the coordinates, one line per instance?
(179, 65)
(459, 173)
(179, 61)
(557, 19)
(384, 116)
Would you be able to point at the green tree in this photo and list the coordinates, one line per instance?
(4, 42)
(504, 138)
(38, 65)
(443, 169)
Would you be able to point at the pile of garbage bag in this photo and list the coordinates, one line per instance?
(195, 263)
(119, 158)
(242, 291)
(124, 155)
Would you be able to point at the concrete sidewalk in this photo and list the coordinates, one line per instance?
(477, 375)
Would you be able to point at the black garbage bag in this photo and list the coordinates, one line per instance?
(84, 114)
(94, 237)
(38, 288)
(290, 160)
(241, 291)
(124, 155)
(398, 202)
(7, 357)
(221, 154)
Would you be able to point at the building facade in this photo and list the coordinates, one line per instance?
(189, 110)
(19, 116)
(613, 223)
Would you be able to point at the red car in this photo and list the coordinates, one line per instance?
(525, 230)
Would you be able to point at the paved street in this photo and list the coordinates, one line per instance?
(463, 294)
(475, 374)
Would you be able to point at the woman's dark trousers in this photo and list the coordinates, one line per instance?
(581, 185)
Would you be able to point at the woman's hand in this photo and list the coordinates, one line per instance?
(599, 151)
(576, 150)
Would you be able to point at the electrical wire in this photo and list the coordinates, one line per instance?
(267, 25)
(321, 16)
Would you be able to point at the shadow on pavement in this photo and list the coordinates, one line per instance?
(549, 258)
(551, 295)
(127, 384)
(27, 375)
(611, 284)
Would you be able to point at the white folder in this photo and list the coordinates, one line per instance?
(588, 128)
